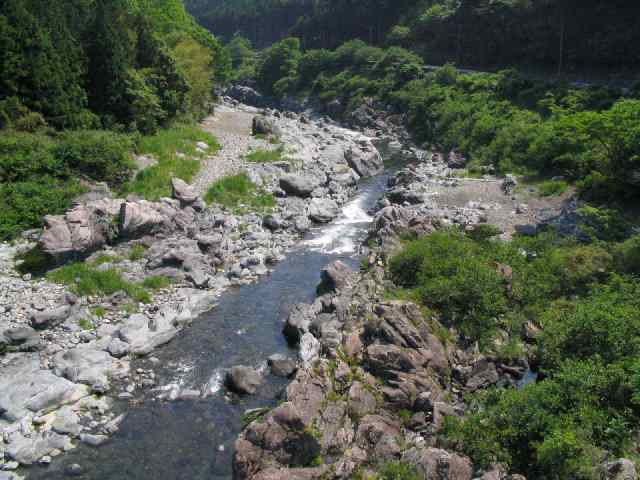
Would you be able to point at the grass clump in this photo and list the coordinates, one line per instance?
(552, 188)
(251, 416)
(86, 324)
(177, 155)
(238, 192)
(266, 156)
(156, 282)
(99, 312)
(137, 253)
(106, 258)
(86, 280)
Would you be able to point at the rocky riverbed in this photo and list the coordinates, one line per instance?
(67, 358)
(70, 365)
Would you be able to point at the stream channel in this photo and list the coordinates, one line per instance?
(193, 439)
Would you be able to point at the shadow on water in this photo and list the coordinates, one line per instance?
(193, 440)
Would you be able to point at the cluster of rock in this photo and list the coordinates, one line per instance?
(374, 385)
(362, 360)
(61, 363)
(375, 378)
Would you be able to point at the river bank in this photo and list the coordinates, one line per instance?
(76, 362)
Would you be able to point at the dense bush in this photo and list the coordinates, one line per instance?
(99, 155)
(24, 204)
(39, 174)
(586, 405)
(278, 67)
(455, 275)
(557, 428)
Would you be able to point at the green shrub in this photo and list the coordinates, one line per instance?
(239, 191)
(86, 280)
(627, 256)
(455, 275)
(265, 156)
(24, 204)
(27, 156)
(397, 470)
(157, 282)
(603, 223)
(137, 252)
(552, 188)
(605, 324)
(100, 155)
(557, 428)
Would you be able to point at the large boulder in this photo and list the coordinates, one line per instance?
(299, 321)
(144, 334)
(82, 230)
(243, 380)
(323, 210)
(28, 449)
(365, 159)
(50, 318)
(139, 218)
(279, 440)
(247, 95)
(281, 365)
(335, 277)
(25, 388)
(436, 464)
(263, 126)
(299, 185)
(183, 192)
(89, 365)
(20, 339)
(620, 469)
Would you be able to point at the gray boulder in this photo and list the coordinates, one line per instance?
(29, 449)
(272, 222)
(144, 334)
(620, 469)
(263, 126)
(25, 388)
(82, 230)
(247, 95)
(437, 464)
(183, 192)
(299, 321)
(365, 160)
(323, 210)
(139, 218)
(281, 365)
(90, 366)
(50, 318)
(309, 348)
(21, 339)
(299, 185)
(335, 277)
(243, 380)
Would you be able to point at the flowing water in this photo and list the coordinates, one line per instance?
(193, 439)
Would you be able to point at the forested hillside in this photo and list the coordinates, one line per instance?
(554, 34)
(84, 62)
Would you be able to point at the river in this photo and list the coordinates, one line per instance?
(193, 439)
